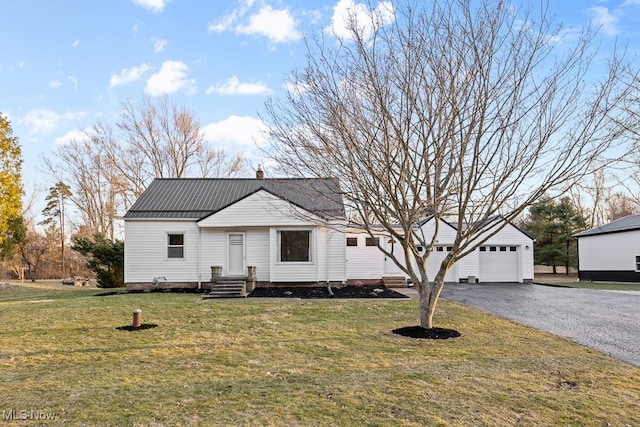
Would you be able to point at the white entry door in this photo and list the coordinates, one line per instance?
(235, 254)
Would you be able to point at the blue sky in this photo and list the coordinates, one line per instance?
(66, 64)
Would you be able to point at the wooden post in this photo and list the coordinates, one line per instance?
(137, 318)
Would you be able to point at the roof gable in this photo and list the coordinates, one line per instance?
(628, 223)
(189, 198)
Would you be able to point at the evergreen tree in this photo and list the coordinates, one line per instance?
(54, 212)
(105, 258)
(553, 223)
(10, 178)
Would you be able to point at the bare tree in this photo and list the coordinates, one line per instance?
(455, 109)
(112, 164)
(162, 140)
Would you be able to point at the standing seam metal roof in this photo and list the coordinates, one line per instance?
(628, 223)
(196, 198)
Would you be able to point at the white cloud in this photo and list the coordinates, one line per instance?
(158, 44)
(55, 84)
(234, 87)
(75, 134)
(236, 133)
(44, 122)
(156, 6)
(171, 78)
(226, 22)
(75, 43)
(605, 20)
(277, 25)
(74, 81)
(367, 20)
(128, 75)
(296, 89)
(20, 64)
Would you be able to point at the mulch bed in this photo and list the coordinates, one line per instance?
(427, 333)
(131, 328)
(317, 292)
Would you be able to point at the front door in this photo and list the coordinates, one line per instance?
(235, 243)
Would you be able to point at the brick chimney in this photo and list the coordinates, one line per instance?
(259, 172)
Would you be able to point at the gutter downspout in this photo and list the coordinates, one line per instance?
(198, 257)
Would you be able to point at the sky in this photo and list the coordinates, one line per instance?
(66, 64)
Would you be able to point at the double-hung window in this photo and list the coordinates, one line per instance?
(175, 246)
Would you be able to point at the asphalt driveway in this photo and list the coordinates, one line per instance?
(608, 321)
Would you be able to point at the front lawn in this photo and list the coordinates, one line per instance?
(571, 281)
(312, 362)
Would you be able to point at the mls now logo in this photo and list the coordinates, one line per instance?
(30, 415)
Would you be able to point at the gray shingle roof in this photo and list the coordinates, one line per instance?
(628, 223)
(196, 198)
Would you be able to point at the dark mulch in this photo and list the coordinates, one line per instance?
(427, 333)
(322, 292)
(131, 328)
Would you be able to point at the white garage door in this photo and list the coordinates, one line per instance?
(499, 264)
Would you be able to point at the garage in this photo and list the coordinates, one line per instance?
(499, 264)
(434, 262)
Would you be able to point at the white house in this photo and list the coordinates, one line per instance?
(280, 230)
(610, 252)
(506, 256)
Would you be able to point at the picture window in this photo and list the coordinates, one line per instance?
(295, 245)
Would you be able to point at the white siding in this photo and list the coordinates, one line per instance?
(364, 262)
(295, 271)
(609, 252)
(336, 253)
(369, 262)
(261, 209)
(146, 251)
(214, 250)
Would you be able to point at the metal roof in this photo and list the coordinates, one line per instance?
(628, 223)
(196, 198)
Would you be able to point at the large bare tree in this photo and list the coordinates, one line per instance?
(112, 163)
(456, 109)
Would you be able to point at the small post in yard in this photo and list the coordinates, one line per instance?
(137, 318)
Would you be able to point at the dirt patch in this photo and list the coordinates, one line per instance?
(319, 292)
(427, 333)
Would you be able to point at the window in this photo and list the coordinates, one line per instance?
(175, 245)
(492, 248)
(420, 248)
(512, 248)
(295, 245)
(372, 241)
(637, 263)
(352, 241)
(439, 248)
(483, 249)
(503, 249)
(449, 248)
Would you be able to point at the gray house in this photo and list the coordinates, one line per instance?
(610, 252)
(276, 230)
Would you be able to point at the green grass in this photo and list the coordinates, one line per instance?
(261, 362)
(572, 282)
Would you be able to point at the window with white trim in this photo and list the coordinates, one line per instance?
(294, 246)
(175, 246)
(352, 241)
(637, 262)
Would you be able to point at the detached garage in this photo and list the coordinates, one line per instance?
(610, 252)
(506, 256)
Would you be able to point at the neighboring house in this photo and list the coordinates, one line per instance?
(506, 256)
(279, 230)
(610, 252)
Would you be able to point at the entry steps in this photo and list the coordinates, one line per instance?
(227, 289)
(394, 281)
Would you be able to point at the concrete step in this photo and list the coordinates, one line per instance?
(394, 282)
(228, 289)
